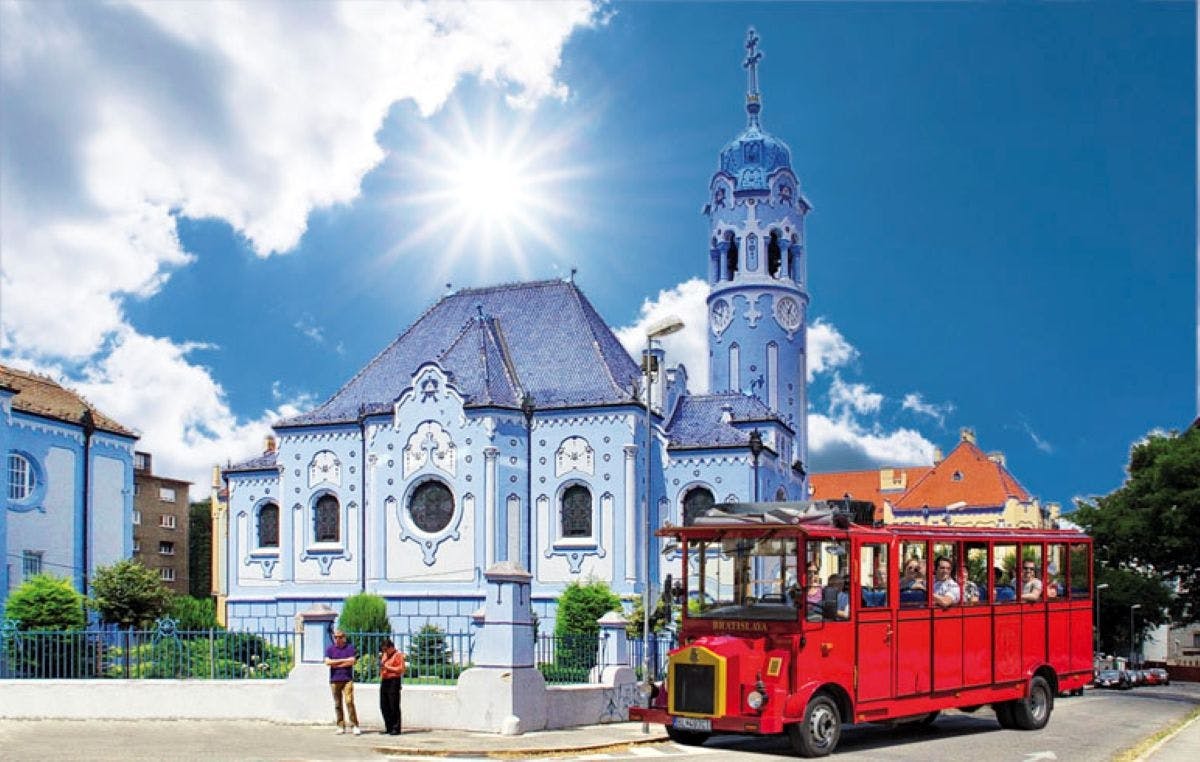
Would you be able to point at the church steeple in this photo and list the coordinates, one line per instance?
(759, 298)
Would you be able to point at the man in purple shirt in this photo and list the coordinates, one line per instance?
(340, 658)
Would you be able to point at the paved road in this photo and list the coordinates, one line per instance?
(1092, 727)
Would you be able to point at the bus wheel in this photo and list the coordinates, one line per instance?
(687, 737)
(818, 734)
(1033, 712)
(1004, 714)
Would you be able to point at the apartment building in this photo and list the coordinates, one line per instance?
(160, 523)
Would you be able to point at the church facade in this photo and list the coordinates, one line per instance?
(508, 423)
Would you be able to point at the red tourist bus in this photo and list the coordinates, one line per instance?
(800, 620)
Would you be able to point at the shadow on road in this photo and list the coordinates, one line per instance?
(872, 736)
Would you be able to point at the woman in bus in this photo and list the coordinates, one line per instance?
(1031, 586)
(945, 590)
(913, 578)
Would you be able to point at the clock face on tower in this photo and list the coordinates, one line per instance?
(787, 312)
(720, 315)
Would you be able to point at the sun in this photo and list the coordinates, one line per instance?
(495, 188)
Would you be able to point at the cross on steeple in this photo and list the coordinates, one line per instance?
(753, 56)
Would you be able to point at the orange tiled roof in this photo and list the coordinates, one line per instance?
(40, 395)
(862, 485)
(981, 482)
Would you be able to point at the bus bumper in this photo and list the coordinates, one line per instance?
(748, 725)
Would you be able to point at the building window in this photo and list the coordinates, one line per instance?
(166, 494)
(431, 506)
(137, 517)
(21, 479)
(576, 511)
(31, 563)
(326, 519)
(695, 503)
(166, 548)
(137, 488)
(166, 574)
(141, 461)
(774, 255)
(268, 526)
(137, 545)
(957, 476)
(167, 521)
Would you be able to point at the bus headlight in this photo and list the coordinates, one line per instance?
(755, 700)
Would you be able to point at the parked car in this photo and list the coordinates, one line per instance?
(1157, 676)
(1115, 679)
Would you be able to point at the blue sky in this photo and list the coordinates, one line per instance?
(1003, 233)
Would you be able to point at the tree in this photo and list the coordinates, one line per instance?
(43, 602)
(1151, 524)
(1125, 588)
(192, 613)
(200, 550)
(129, 594)
(580, 605)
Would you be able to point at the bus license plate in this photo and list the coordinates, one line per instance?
(692, 723)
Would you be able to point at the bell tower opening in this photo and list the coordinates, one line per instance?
(731, 256)
(774, 255)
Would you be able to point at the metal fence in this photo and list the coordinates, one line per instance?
(565, 659)
(660, 645)
(161, 653)
(433, 657)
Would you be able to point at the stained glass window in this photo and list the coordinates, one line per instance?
(326, 521)
(268, 526)
(695, 503)
(577, 511)
(431, 506)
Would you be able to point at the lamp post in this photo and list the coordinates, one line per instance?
(1101, 586)
(1132, 607)
(664, 327)
(756, 448)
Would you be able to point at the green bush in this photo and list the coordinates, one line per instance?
(43, 602)
(129, 594)
(364, 620)
(225, 655)
(429, 655)
(575, 627)
(194, 613)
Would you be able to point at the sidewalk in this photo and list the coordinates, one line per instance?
(1184, 746)
(94, 741)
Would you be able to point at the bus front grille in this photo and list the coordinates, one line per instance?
(695, 688)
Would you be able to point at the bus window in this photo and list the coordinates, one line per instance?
(1056, 571)
(872, 576)
(914, 562)
(978, 586)
(831, 600)
(745, 578)
(1004, 573)
(946, 589)
(1080, 565)
(1032, 588)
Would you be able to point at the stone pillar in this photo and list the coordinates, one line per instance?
(612, 657)
(313, 627)
(504, 692)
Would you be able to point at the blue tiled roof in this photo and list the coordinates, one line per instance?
(542, 338)
(264, 462)
(697, 420)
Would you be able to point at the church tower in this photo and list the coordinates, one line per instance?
(759, 299)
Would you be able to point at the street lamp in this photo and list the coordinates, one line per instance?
(756, 448)
(1101, 586)
(1132, 608)
(664, 327)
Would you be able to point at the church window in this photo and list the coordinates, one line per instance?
(21, 477)
(731, 256)
(268, 526)
(431, 506)
(774, 255)
(773, 376)
(326, 521)
(576, 511)
(780, 495)
(695, 503)
(735, 374)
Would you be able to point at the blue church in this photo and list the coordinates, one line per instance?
(508, 423)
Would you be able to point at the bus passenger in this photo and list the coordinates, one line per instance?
(1031, 586)
(835, 592)
(945, 589)
(913, 578)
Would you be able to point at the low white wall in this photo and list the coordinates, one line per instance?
(303, 698)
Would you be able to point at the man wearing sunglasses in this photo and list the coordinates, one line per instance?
(1031, 586)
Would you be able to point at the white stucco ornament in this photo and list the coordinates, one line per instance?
(325, 468)
(430, 443)
(574, 454)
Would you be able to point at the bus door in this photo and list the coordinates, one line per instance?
(1080, 592)
(1006, 614)
(828, 608)
(875, 643)
(977, 616)
(946, 599)
(914, 634)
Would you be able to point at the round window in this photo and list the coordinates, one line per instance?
(431, 506)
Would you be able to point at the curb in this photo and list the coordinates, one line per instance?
(1159, 744)
(521, 753)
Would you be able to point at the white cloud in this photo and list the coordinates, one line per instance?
(846, 400)
(845, 443)
(688, 347)
(120, 116)
(916, 403)
(827, 349)
(1038, 442)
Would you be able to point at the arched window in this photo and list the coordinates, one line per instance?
(774, 255)
(268, 526)
(431, 506)
(21, 477)
(576, 511)
(735, 368)
(731, 256)
(696, 502)
(781, 495)
(327, 521)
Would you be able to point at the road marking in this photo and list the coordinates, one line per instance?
(1037, 755)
